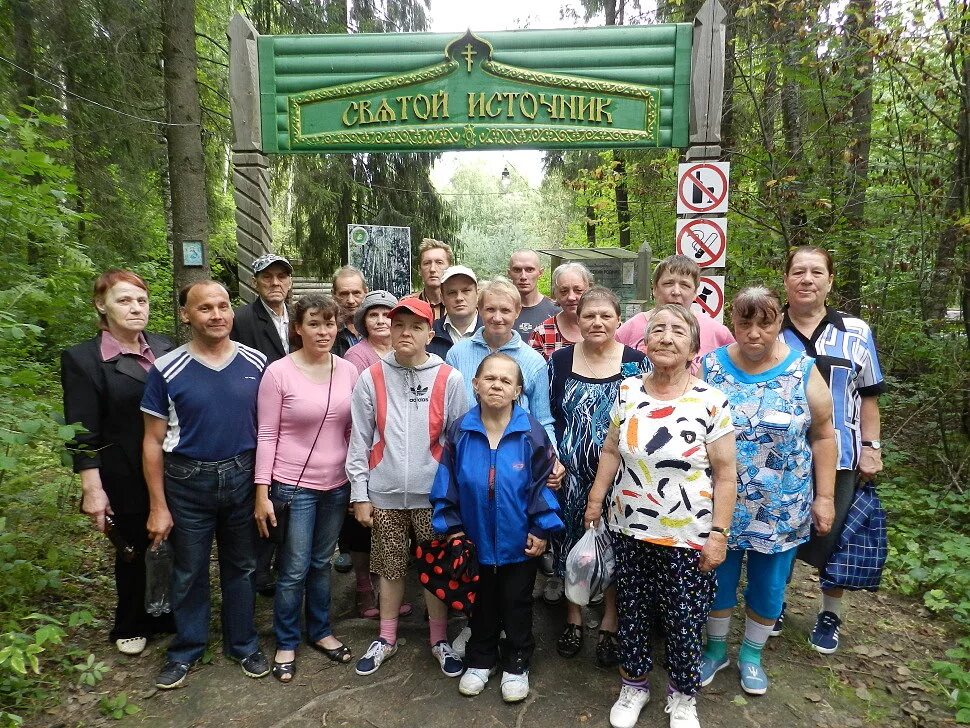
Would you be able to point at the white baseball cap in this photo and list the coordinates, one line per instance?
(459, 270)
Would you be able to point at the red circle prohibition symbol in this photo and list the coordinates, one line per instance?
(709, 249)
(689, 177)
(712, 312)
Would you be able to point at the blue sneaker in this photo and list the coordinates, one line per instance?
(378, 651)
(754, 681)
(451, 664)
(710, 667)
(825, 636)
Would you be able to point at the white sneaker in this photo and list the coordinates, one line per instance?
(474, 680)
(553, 591)
(683, 711)
(515, 687)
(131, 645)
(626, 709)
(461, 641)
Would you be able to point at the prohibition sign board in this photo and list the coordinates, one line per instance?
(710, 297)
(702, 188)
(703, 240)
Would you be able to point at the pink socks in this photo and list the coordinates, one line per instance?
(438, 629)
(389, 630)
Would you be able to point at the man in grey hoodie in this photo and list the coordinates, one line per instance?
(402, 407)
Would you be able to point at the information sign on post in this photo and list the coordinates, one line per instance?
(383, 255)
(703, 240)
(702, 188)
(710, 298)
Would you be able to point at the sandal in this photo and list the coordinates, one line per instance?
(284, 671)
(570, 642)
(341, 655)
(608, 649)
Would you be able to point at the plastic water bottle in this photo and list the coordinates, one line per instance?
(158, 579)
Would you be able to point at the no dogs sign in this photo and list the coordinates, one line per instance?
(710, 298)
(703, 240)
(702, 188)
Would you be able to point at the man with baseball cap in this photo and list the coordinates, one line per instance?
(459, 291)
(264, 325)
(401, 409)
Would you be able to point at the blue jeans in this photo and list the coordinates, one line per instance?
(205, 500)
(304, 562)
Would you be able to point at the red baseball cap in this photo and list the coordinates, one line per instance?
(416, 306)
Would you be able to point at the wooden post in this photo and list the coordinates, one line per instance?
(644, 272)
(251, 175)
(707, 82)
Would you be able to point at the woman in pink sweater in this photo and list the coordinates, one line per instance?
(304, 427)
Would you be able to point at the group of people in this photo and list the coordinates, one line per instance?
(479, 411)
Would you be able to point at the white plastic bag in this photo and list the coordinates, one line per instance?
(589, 565)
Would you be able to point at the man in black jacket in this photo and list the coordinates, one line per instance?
(264, 325)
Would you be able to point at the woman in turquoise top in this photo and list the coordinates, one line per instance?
(782, 413)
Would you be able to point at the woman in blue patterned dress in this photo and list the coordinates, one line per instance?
(782, 414)
(583, 382)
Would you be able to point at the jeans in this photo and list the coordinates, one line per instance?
(209, 499)
(304, 562)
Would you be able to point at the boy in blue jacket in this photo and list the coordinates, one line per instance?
(507, 510)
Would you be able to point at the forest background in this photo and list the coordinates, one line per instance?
(846, 123)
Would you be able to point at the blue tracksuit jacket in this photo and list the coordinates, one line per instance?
(497, 497)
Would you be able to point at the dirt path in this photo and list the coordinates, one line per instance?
(879, 677)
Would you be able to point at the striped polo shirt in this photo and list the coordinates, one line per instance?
(845, 352)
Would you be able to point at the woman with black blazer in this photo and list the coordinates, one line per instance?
(103, 379)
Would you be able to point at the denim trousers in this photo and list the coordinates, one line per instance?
(304, 561)
(206, 500)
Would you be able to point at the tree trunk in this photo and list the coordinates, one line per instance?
(591, 226)
(792, 124)
(23, 42)
(621, 197)
(186, 164)
(859, 20)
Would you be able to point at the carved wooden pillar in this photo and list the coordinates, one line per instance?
(707, 82)
(250, 175)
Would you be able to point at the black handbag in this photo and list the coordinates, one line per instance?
(281, 508)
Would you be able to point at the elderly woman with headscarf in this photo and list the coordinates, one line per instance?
(669, 459)
(782, 414)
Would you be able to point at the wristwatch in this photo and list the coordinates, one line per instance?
(874, 444)
(726, 532)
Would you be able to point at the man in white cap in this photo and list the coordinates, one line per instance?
(459, 292)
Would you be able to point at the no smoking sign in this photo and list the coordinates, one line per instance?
(703, 240)
(702, 188)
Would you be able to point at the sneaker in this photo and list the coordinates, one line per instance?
(754, 681)
(474, 680)
(825, 636)
(515, 688)
(779, 623)
(683, 710)
(545, 565)
(342, 563)
(710, 667)
(553, 591)
(378, 651)
(172, 675)
(626, 709)
(461, 642)
(256, 665)
(450, 662)
(131, 645)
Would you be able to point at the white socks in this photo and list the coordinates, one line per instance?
(832, 604)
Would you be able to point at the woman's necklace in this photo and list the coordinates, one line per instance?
(609, 362)
(649, 378)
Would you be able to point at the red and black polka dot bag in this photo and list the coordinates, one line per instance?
(448, 568)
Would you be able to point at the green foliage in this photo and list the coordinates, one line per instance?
(90, 670)
(955, 675)
(117, 707)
